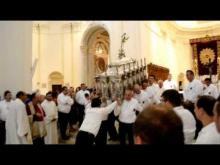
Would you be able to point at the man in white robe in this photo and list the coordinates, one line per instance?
(4, 108)
(17, 123)
(169, 83)
(210, 89)
(51, 112)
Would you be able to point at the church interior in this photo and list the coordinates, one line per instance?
(39, 54)
(47, 55)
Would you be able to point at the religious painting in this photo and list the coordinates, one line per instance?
(205, 55)
(100, 63)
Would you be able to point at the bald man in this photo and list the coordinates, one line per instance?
(159, 91)
(127, 116)
(141, 96)
(169, 83)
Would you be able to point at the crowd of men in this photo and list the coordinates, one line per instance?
(153, 112)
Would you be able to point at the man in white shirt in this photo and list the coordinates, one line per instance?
(193, 89)
(172, 98)
(190, 94)
(17, 122)
(210, 89)
(101, 137)
(87, 101)
(204, 112)
(159, 91)
(153, 88)
(150, 93)
(64, 106)
(81, 101)
(4, 108)
(169, 83)
(92, 122)
(158, 124)
(216, 112)
(127, 116)
(141, 96)
(51, 112)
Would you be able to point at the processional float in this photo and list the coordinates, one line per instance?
(119, 75)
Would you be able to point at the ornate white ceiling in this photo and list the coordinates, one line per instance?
(196, 25)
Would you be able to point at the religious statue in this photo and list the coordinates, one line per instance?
(209, 66)
(121, 51)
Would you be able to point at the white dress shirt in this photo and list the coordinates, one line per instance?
(158, 95)
(80, 97)
(94, 117)
(189, 123)
(193, 90)
(208, 135)
(64, 103)
(211, 90)
(127, 111)
(142, 98)
(169, 84)
(151, 94)
(4, 108)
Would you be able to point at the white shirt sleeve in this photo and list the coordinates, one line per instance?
(138, 107)
(216, 92)
(117, 110)
(77, 96)
(110, 107)
(69, 100)
(105, 110)
(65, 100)
(199, 90)
(1, 110)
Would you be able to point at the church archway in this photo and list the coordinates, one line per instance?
(96, 46)
(56, 81)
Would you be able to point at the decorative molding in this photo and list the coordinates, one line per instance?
(40, 27)
(207, 27)
(204, 39)
(84, 49)
(195, 62)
